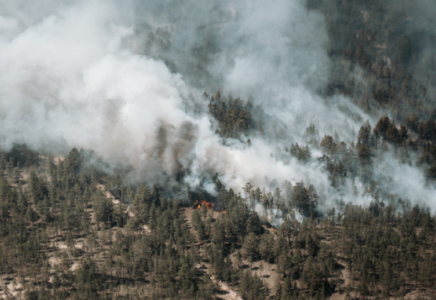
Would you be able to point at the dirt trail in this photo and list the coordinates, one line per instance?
(117, 202)
(231, 294)
(108, 195)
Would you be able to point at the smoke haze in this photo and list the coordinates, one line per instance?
(126, 80)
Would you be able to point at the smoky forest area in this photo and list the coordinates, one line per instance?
(233, 150)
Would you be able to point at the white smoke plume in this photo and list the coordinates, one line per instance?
(89, 74)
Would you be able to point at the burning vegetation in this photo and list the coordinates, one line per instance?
(199, 204)
(207, 204)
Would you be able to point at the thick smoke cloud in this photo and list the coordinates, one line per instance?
(126, 80)
(273, 53)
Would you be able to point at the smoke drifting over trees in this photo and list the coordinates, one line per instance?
(182, 149)
(128, 81)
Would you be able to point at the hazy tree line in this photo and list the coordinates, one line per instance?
(233, 115)
(381, 55)
(405, 141)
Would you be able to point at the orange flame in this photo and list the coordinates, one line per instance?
(209, 205)
(224, 211)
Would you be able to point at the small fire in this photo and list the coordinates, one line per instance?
(208, 205)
